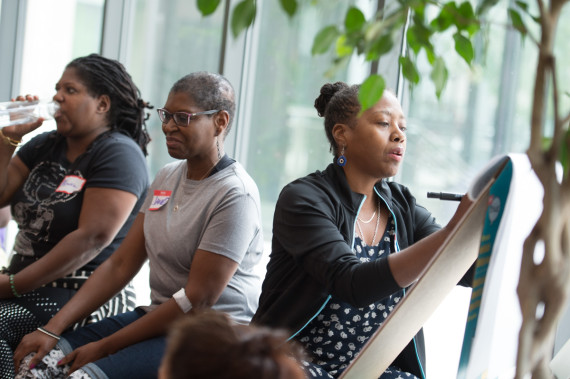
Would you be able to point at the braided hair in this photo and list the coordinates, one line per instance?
(104, 76)
(338, 104)
(209, 91)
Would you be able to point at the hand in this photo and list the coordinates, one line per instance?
(35, 342)
(18, 131)
(463, 207)
(85, 354)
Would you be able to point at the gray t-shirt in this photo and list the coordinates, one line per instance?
(220, 214)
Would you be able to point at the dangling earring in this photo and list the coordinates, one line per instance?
(341, 160)
(218, 147)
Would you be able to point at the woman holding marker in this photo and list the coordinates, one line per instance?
(200, 229)
(347, 243)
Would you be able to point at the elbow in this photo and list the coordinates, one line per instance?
(99, 241)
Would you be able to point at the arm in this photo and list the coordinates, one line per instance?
(5, 216)
(209, 275)
(103, 213)
(105, 282)
(12, 171)
(408, 264)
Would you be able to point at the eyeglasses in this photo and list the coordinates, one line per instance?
(180, 118)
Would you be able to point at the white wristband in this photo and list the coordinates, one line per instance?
(182, 301)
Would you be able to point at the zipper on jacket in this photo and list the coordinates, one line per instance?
(329, 296)
(397, 247)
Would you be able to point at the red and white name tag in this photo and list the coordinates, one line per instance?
(71, 184)
(159, 199)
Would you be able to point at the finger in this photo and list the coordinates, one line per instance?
(67, 359)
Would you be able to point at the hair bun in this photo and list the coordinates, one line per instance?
(327, 93)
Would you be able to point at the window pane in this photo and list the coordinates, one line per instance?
(483, 112)
(56, 32)
(286, 137)
(168, 40)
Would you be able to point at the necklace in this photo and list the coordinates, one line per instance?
(368, 221)
(375, 230)
(176, 207)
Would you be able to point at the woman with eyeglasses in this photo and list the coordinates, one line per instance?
(200, 229)
(74, 192)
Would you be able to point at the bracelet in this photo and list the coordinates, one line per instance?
(13, 287)
(53, 335)
(8, 140)
(182, 300)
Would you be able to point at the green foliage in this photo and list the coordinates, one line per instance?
(371, 91)
(324, 39)
(379, 34)
(439, 75)
(242, 16)
(207, 7)
(517, 21)
(409, 70)
(289, 6)
(354, 20)
(463, 47)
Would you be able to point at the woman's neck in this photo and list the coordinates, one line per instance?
(78, 145)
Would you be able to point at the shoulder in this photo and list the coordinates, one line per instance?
(119, 143)
(172, 169)
(235, 180)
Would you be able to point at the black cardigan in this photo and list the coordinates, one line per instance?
(312, 257)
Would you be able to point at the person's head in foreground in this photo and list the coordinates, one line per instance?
(210, 345)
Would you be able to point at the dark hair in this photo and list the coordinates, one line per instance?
(338, 104)
(104, 76)
(209, 91)
(209, 345)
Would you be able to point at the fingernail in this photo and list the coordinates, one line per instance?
(32, 366)
(59, 362)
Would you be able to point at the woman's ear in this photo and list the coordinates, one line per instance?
(221, 121)
(339, 134)
(104, 104)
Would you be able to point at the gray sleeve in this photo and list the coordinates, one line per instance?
(232, 227)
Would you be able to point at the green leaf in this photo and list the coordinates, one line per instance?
(517, 21)
(380, 47)
(565, 155)
(354, 19)
(289, 6)
(464, 47)
(371, 91)
(242, 16)
(485, 6)
(324, 39)
(343, 48)
(522, 5)
(409, 70)
(445, 18)
(207, 7)
(439, 75)
(468, 21)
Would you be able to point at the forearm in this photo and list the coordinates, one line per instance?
(103, 284)
(154, 324)
(71, 253)
(408, 264)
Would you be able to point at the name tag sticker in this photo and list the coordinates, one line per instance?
(71, 184)
(159, 199)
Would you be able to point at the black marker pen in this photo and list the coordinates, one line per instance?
(445, 196)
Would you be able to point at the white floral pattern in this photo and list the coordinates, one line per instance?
(334, 338)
